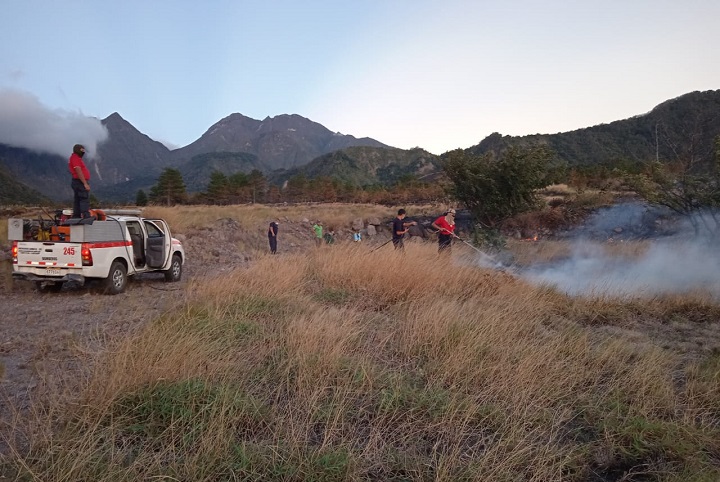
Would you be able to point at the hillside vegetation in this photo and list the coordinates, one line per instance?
(360, 166)
(678, 129)
(339, 364)
(14, 192)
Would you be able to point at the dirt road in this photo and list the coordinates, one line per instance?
(46, 337)
(42, 334)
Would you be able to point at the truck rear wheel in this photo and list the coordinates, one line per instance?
(175, 272)
(116, 280)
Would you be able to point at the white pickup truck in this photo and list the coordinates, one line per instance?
(110, 249)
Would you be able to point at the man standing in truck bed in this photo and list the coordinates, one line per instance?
(80, 182)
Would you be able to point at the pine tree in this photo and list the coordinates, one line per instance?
(218, 188)
(141, 199)
(170, 188)
(258, 184)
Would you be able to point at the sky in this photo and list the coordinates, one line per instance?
(440, 74)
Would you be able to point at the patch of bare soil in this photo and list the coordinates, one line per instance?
(45, 336)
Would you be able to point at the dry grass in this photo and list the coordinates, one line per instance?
(340, 364)
(331, 215)
(561, 190)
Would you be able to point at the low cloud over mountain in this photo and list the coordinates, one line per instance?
(25, 122)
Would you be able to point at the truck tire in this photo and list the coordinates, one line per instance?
(175, 272)
(116, 280)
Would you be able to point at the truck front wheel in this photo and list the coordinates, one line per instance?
(175, 272)
(116, 280)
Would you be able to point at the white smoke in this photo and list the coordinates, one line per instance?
(676, 261)
(665, 268)
(26, 123)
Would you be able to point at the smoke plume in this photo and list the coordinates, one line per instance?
(666, 268)
(26, 123)
(677, 261)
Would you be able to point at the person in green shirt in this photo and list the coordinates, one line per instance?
(317, 227)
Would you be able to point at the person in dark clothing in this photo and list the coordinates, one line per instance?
(272, 236)
(80, 182)
(445, 225)
(400, 227)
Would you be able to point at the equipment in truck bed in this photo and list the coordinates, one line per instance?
(55, 229)
(50, 253)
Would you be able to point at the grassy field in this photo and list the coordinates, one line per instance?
(340, 364)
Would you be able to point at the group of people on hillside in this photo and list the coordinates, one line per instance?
(328, 237)
(444, 226)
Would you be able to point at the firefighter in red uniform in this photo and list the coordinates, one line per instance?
(80, 182)
(445, 225)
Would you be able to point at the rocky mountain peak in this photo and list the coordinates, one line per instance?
(283, 141)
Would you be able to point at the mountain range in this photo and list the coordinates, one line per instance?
(288, 145)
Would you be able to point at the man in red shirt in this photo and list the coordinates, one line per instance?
(445, 225)
(80, 182)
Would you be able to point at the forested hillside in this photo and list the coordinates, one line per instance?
(684, 127)
(13, 192)
(362, 166)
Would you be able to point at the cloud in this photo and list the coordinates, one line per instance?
(26, 123)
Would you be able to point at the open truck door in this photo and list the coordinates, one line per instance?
(158, 244)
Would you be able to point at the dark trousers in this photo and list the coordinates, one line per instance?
(81, 199)
(273, 244)
(398, 242)
(444, 242)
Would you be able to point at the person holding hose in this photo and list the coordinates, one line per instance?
(445, 226)
(400, 227)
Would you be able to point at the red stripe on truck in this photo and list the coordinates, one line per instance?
(44, 263)
(108, 244)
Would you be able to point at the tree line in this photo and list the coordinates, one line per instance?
(493, 186)
(242, 188)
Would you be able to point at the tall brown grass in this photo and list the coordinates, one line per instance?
(331, 215)
(347, 364)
